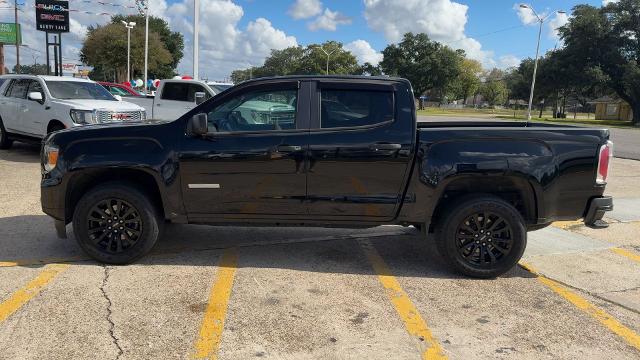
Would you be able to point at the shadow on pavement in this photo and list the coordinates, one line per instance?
(30, 241)
(21, 152)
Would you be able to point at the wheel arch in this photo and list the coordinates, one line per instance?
(517, 191)
(52, 123)
(83, 181)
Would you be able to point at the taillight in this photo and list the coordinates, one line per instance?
(604, 159)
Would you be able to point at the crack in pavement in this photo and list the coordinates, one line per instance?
(112, 325)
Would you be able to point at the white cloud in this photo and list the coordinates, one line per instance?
(607, 2)
(526, 15)
(508, 61)
(329, 21)
(363, 51)
(304, 9)
(442, 20)
(558, 21)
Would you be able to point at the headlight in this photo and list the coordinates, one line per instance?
(84, 116)
(50, 158)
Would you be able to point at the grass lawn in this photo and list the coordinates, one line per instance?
(508, 114)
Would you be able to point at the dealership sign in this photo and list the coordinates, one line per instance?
(70, 68)
(9, 35)
(52, 16)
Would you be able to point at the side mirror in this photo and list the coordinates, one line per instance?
(35, 96)
(118, 97)
(200, 97)
(198, 125)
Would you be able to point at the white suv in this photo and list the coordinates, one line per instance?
(32, 106)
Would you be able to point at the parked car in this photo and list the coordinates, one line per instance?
(32, 106)
(175, 97)
(475, 187)
(120, 90)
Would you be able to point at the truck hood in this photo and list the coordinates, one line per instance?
(100, 105)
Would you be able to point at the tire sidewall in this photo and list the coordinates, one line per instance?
(447, 236)
(151, 225)
(5, 143)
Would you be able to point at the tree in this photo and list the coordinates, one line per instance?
(105, 49)
(173, 41)
(298, 60)
(467, 82)
(427, 64)
(35, 69)
(606, 41)
(494, 90)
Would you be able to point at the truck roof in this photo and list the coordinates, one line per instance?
(362, 78)
(46, 77)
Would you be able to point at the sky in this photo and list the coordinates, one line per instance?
(240, 33)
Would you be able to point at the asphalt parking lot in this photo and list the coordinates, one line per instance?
(310, 293)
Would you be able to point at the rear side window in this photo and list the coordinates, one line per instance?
(2, 82)
(19, 89)
(351, 108)
(175, 91)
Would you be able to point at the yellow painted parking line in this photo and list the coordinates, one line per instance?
(30, 262)
(567, 224)
(210, 336)
(626, 253)
(413, 322)
(583, 304)
(29, 291)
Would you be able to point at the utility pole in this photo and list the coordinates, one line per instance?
(18, 39)
(196, 33)
(535, 64)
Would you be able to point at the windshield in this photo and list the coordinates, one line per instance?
(218, 88)
(78, 90)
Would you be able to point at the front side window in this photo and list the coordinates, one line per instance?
(350, 108)
(19, 89)
(193, 89)
(256, 111)
(72, 90)
(35, 86)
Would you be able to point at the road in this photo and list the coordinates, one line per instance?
(626, 141)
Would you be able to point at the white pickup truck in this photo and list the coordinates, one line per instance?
(175, 97)
(31, 106)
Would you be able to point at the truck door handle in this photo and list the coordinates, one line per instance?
(158, 104)
(385, 146)
(288, 148)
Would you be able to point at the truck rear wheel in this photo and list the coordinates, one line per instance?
(482, 236)
(5, 142)
(116, 223)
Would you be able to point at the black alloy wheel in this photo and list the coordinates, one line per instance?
(114, 225)
(484, 239)
(481, 236)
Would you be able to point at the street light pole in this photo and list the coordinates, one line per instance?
(15, 8)
(328, 55)
(535, 64)
(129, 26)
(196, 33)
(146, 46)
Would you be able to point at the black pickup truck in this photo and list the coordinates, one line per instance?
(324, 151)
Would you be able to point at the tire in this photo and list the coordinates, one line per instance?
(96, 213)
(5, 142)
(481, 224)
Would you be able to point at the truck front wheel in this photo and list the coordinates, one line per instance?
(482, 236)
(116, 223)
